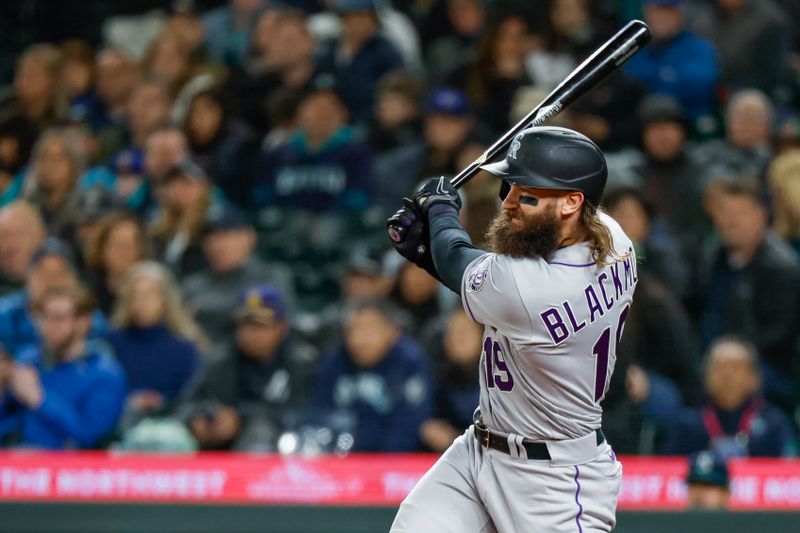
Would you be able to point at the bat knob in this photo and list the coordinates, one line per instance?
(396, 233)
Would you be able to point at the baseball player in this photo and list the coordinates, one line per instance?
(553, 297)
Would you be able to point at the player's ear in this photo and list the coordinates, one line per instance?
(571, 203)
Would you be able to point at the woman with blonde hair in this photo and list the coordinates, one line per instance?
(57, 165)
(784, 181)
(155, 338)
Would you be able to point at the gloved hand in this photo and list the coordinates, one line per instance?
(408, 231)
(436, 191)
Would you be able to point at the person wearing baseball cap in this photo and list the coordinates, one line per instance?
(707, 481)
(265, 371)
(228, 244)
(446, 128)
(360, 56)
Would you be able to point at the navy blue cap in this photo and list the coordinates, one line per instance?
(53, 247)
(707, 467)
(354, 6)
(260, 303)
(128, 162)
(448, 101)
(225, 217)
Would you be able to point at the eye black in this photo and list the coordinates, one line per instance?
(530, 200)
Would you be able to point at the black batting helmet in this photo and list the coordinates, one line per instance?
(548, 157)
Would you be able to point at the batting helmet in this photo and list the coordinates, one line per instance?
(548, 157)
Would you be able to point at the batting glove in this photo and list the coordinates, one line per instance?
(408, 232)
(436, 191)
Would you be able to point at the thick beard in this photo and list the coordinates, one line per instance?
(538, 236)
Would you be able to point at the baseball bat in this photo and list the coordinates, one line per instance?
(595, 68)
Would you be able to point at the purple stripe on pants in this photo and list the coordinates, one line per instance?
(577, 501)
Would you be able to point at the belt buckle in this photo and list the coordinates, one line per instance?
(485, 440)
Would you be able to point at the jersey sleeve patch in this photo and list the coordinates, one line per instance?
(478, 274)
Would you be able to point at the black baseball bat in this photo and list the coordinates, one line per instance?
(595, 68)
(598, 66)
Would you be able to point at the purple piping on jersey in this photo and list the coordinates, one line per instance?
(469, 310)
(577, 494)
(571, 265)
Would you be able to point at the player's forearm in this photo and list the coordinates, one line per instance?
(451, 247)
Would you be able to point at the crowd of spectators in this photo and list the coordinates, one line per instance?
(192, 208)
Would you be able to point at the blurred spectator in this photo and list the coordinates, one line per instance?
(322, 167)
(668, 173)
(752, 40)
(22, 232)
(223, 147)
(677, 62)
(155, 339)
(51, 266)
(169, 60)
(17, 137)
(735, 421)
(148, 107)
(481, 195)
(447, 127)
(574, 28)
(228, 242)
(456, 48)
(784, 181)
(746, 146)
(397, 121)
(35, 96)
(77, 81)
(186, 23)
(497, 72)
(707, 482)
(67, 392)
(360, 56)
(380, 376)
(165, 148)
(281, 61)
(655, 248)
(176, 230)
(363, 274)
(52, 180)
(116, 76)
(457, 382)
(749, 283)
(228, 29)
(264, 373)
(417, 293)
(395, 135)
(640, 408)
(118, 243)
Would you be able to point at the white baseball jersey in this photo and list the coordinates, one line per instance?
(551, 334)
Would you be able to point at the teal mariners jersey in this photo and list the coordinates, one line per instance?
(551, 333)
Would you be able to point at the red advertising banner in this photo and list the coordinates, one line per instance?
(648, 483)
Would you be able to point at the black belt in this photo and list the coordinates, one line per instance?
(534, 450)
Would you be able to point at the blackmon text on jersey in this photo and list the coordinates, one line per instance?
(597, 296)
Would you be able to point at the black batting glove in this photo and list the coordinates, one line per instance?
(436, 191)
(408, 231)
